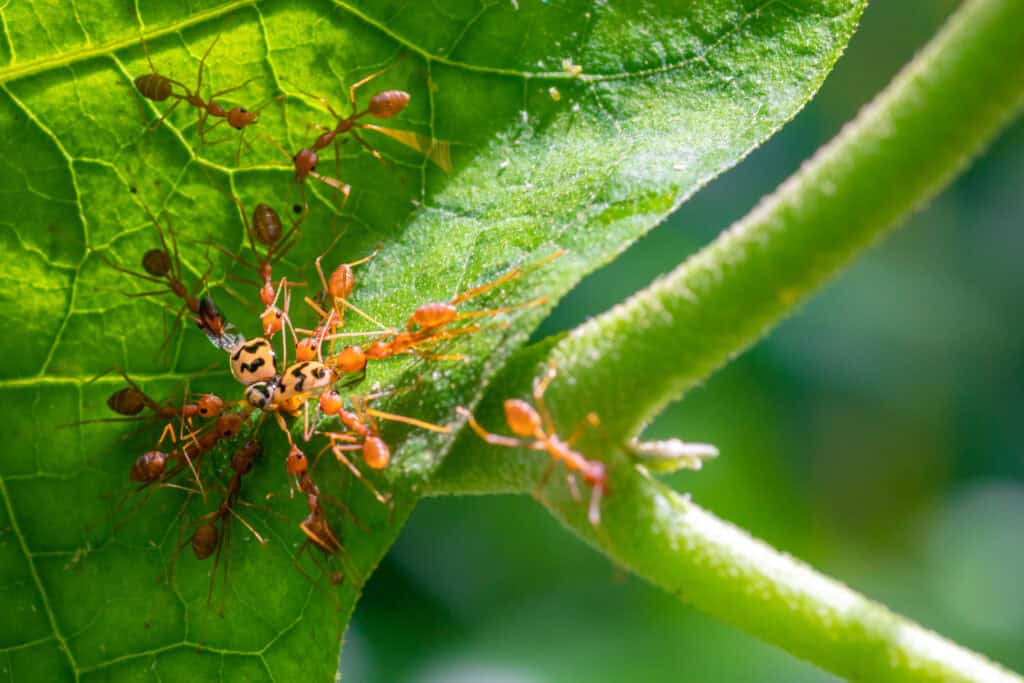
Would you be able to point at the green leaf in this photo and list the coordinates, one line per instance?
(546, 156)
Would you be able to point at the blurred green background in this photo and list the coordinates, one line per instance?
(874, 435)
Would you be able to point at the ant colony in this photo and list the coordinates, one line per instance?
(304, 380)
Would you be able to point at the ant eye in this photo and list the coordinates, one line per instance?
(243, 110)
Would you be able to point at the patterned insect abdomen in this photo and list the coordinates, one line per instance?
(302, 378)
(254, 361)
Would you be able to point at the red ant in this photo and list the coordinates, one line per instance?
(131, 400)
(159, 88)
(383, 105)
(538, 431)
(267, 229)
(206, 538)
(426, 324)
(363, 434)
(315, 526)
(164, 269)
(151, 467)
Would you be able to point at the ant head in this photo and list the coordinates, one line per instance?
(260, 394)
(273, 321)
(305, 162)
(330, 402)
(389, 103)
(210, 405)
(127, 401)
(305, 349)
(239, 118)
(296, 463)
(522, 418)
(156, 262)
(228, 425)
(204, 540)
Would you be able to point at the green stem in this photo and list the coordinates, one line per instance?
(625, 365)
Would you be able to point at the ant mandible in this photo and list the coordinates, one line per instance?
(535, 425)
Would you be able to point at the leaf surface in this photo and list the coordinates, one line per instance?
(572, 126)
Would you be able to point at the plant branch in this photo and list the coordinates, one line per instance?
(627, 364)
(723, 571)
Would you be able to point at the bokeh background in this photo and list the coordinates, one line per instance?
(877, 434)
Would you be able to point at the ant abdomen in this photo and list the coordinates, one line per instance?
(266, 224)
(204, 541)
(148, 466)
(389, 103)
(128, 401)
(154, 87)
(156, 262)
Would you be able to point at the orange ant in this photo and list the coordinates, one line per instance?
(426, 326)
(159, 88)
(206, 538)
(164, 269)
(336, 289)
(383, 105)
(537, 428)
(363, 434)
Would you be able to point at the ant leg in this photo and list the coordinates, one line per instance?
(594, 511)
(539, 301)
(356, 86)
(256, 534)
(221, 93)
(493, 439)
(513, 273)
(539, 387)
(153, 126)
(591, 421)
(202, 64)
(441, 429)
(339, 454)
(574, 487)
(369, 148)
(204, 130)
(344, 188)
(543, 481)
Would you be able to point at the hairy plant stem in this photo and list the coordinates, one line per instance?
(945, 106)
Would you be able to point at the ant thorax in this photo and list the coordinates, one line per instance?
(254, 361)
